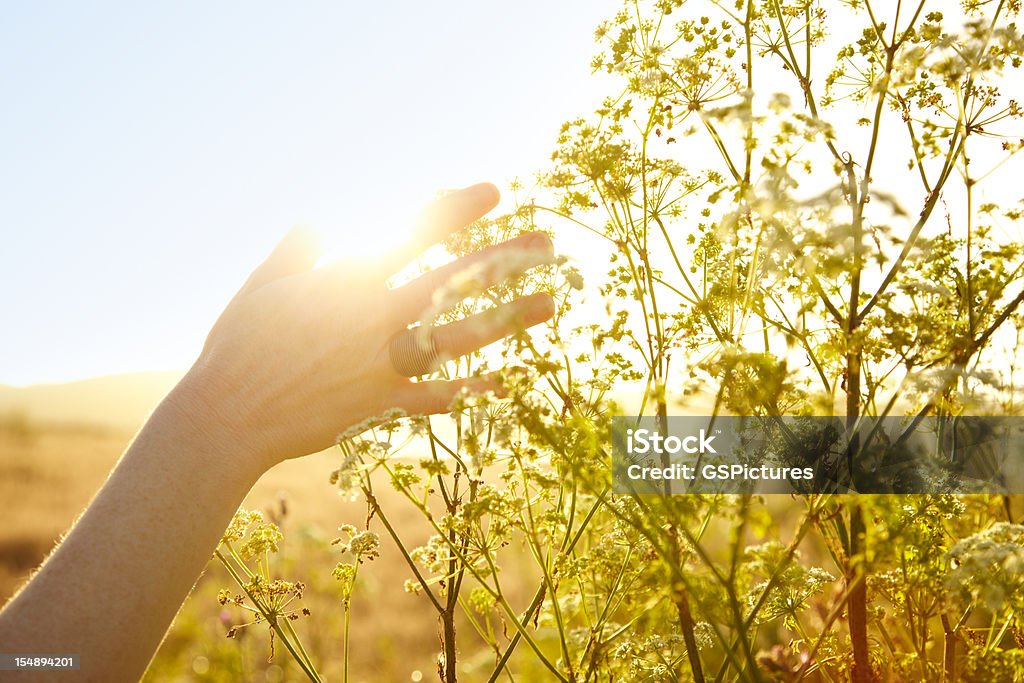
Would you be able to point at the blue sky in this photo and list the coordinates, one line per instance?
(152, 153)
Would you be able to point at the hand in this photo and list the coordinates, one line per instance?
(300, 355)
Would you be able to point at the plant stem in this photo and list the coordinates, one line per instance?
(306, 666)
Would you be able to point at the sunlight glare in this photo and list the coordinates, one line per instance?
(370, 238)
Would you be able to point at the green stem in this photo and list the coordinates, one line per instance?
(307, 667)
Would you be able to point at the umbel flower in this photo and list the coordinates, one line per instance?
(364, 545)
(988, 567)
(267, 600)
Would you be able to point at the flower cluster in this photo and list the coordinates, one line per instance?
(988, 567)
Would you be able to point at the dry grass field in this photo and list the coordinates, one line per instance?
(49, 473)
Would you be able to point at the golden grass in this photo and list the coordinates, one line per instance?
(49, 474)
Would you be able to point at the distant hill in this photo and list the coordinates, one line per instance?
(123, 402)
(119, 402)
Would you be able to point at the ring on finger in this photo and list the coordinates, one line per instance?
(414, 352)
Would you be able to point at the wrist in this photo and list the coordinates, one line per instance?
(204, 424)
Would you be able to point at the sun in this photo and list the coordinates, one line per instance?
(367, 237)
(356, 243)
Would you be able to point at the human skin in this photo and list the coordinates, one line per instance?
(298, 356)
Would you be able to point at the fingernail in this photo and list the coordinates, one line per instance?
(484, 191)
(537, 240)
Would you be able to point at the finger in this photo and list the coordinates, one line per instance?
(295, 253)
(473, 333)
(437, 396)
(472, 274)
(440, 219)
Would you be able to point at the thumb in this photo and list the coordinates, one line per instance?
(296, 253)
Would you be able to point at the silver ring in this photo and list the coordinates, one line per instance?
(414, 352)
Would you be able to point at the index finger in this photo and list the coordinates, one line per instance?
(440, 219)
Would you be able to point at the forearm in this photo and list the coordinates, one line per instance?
(112, 587)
